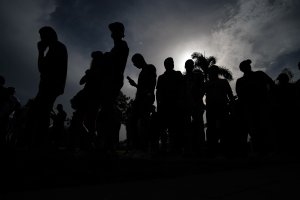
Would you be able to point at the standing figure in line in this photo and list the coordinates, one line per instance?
(87, 102)
(193, 107)
(169, 96)
(143, 103)
(283, 113)
(218, 96)
(52, 65)
(113, 82)
(254, 91)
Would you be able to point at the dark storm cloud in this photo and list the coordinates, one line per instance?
(20, 21)
(265, 31)
(84, 23)
(157, 29)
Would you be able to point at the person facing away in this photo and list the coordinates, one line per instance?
(193, 107)
(93, 74)
(90, 96)
(218, 96)
(255, 86)
(52, 65)
(92, 81)
(254, 89)
(283, 113)
(169, 90)
(143, 102)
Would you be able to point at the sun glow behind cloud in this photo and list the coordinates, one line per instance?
(183, 51)
(233, 31)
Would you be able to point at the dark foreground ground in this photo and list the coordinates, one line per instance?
(65, 175)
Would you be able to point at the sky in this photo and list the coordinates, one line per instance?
(265, 31)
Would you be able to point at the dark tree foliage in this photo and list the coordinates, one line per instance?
(124, 104)
(204, 63)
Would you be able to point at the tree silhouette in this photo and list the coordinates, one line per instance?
(124, 104)
(204, 63)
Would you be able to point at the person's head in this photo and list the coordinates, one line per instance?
(59, 107)
(169, 64)
(189, 65)
(117, 30)
(97, 58)
(245, 66)
(283, 78)
(138, 60)
(48, 34)
(213, 72)
(2, 81)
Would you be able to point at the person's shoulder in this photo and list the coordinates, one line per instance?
(59, 43)
(124, 44)
(241, 79)
(151, 68)
(163, 77)
(260, 73)
(178, 73)
(61, 46)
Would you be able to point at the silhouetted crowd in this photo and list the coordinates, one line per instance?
(261, 119)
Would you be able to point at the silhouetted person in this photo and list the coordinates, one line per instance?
(169, 104)
(143, 102)
(58, 125)
(88, 100)
(22, 117)
(9, 104)
(87, 103)
(193, 81)
(52, 65)
(113, 80)
(218, 96)
(12, 107)
(253, 91)
(283, 112)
